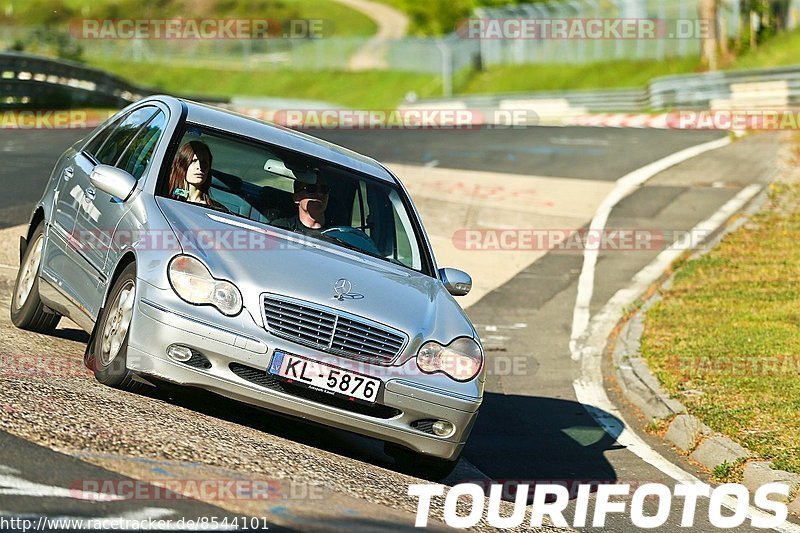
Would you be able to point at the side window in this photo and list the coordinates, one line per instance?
(137, 156)
(112, 148)
(95, 144)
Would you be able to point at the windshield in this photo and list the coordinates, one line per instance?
(295, 192)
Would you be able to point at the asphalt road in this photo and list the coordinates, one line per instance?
(585, 153)
(531, 426)
(36, 482)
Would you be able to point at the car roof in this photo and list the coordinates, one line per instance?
(230, 121)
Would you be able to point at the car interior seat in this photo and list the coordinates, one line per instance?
(274, 204)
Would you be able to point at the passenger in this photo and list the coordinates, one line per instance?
(311, 200)
(190, 177)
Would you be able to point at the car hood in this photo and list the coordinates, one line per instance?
(259, 258)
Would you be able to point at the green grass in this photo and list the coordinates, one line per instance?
(724, 339)
(547, 77)
(369, 89)
(781, 50)
(346, 22)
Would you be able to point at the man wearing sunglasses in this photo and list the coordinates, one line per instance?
(311, 200)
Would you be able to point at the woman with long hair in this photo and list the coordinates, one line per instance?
(190, 177)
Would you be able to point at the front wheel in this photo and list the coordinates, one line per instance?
(110, 345)
(27, 310)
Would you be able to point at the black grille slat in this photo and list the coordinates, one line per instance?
(381, 342)
(198, 360)
(368, 330)
(364, 358)
(360, 351)
(330, 331)
(288, 323)
(425, 426)
(269, 381)
(300, 319)
(350, 338)
(289, 311)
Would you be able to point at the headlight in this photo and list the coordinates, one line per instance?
(461, 359)
(192, 281)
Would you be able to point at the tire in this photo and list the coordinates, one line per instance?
(416, 464)
(27, 310)
(110, 344)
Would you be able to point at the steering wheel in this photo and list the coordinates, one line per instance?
(353, 237)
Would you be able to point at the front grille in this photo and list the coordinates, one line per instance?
(331, 331)
(267, 380)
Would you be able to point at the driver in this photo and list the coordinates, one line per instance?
(311, 200)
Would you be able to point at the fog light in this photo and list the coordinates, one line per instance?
(179, 353)
(442, 428)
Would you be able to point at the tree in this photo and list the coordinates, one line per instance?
(709, 42)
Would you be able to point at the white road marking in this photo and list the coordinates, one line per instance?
(589, 389)
(623, 187)
(147, 513)
(13, 485)
(9, 267)
(568, 141)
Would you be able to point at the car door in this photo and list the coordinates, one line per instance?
(98, 212)
(60, 257)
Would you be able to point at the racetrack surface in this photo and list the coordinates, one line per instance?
(531, 426)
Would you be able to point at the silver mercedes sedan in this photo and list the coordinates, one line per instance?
(207, 249)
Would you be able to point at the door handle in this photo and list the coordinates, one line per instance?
(89, 193)
(68, 173)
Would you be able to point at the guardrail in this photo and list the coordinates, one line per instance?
(776, 88)
(578, 100)
(28, 81)
(39, 82)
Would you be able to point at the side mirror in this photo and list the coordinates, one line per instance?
(113, 181)
(457, 282)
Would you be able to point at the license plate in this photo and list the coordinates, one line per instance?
(325, 378)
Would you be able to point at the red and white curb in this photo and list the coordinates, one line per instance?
(661, 121)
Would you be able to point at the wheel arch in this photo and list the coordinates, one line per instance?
(126, 259)
(36, 218)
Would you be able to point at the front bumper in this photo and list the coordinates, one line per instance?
(161, 320)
